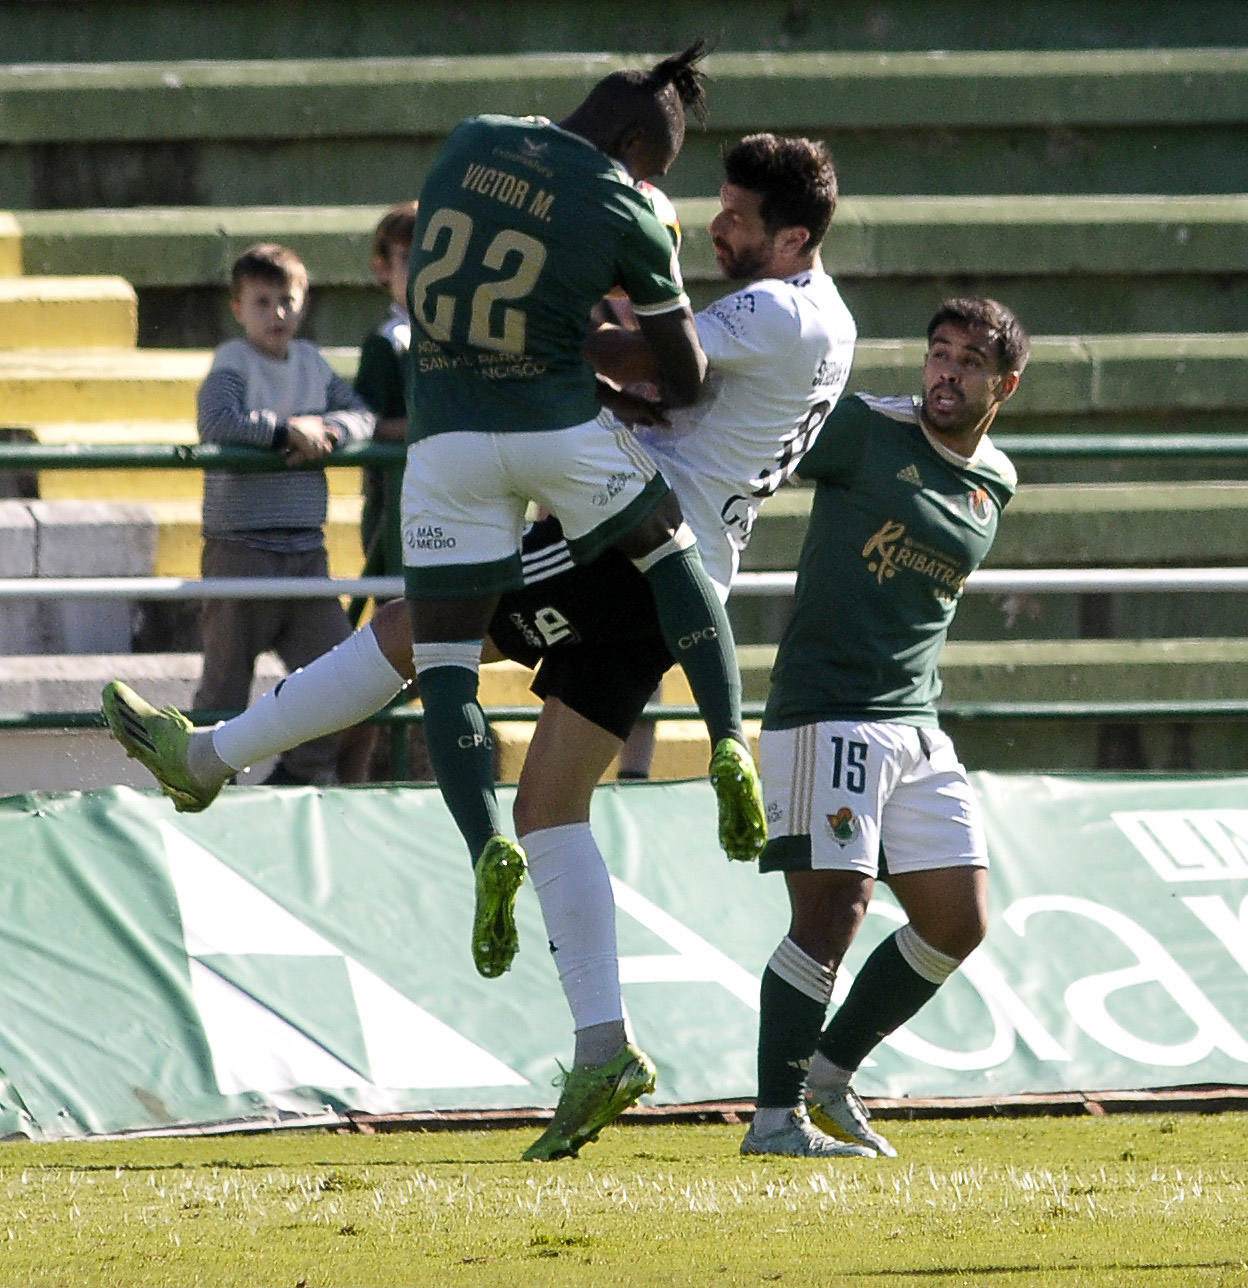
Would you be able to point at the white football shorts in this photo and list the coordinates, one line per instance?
(867, 796)
(465, 496)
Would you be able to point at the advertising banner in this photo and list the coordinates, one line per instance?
(301, 953)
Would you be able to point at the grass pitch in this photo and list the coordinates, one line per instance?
(1156, 1201)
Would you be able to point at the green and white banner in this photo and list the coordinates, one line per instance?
(301, 953)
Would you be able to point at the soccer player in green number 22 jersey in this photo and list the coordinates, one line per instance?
(859, 781)
(780, 347)
(524, 226)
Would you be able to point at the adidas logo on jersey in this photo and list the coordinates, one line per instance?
(911, 475)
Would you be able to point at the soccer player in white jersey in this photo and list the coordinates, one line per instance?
(780, 350)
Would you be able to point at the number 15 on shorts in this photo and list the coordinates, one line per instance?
(849, 764)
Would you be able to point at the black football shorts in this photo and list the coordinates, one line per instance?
(590, 631)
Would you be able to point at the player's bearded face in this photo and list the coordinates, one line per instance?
(961, 383)
(742, 244)
(743, 263)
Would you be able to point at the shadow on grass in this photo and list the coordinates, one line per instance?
(930, 1272)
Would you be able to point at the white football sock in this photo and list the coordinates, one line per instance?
(826, 1075)
(767, 1121)
(598, 1043)
(202, 760)
(338, 690)
(574, 891)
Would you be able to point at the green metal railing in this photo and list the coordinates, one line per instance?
(200, 456)
(30, 456)
(1193, 709)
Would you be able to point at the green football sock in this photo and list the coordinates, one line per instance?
(788, 1025)
(461, 750)
(698, 635)
(886, 992)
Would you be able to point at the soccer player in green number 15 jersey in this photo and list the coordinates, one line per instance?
(860, 784)
(524, 226)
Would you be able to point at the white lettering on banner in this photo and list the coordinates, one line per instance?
(1011, 1017)
(254, 1048)
(1214, 911)
(694, 961)
(1190, 845)
(1086, 998)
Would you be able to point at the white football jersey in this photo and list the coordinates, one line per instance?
(779, 352)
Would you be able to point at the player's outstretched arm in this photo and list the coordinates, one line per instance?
(622, 355)
(680, 364)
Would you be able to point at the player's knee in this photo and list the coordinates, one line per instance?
(827, 910)
(522, 815)
(973, 934)
(540, 804)
(954, 935)
(658, 528)
(392, 625)
(531, 812)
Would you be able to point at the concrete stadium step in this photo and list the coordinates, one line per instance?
(1033, 671)
(49, 312)
(73, 682)
(1099, 670)
(1026, 120)
(681, 749)
(10, 245)
(1167, 380)
(1096, 670)
(80, 759)
(1067, 525)
(136, 484)
(103, 384)
(95, 385)
(343, 29)
(48, 539)
(179, 536)
(1068, 265)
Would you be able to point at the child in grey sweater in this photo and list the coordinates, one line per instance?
(272, 390)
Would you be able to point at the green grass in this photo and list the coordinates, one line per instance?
(995, 1203)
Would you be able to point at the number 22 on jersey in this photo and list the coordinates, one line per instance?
(493, 321)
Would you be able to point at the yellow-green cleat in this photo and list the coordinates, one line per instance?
(499, 873)
(742, 820)
(158, 740)
(839, 1112)
(593, 1095)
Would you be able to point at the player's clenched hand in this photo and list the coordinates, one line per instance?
(636, 405)
(308, 439)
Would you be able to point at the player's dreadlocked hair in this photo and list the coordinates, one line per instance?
(654, 101)
(684, 75)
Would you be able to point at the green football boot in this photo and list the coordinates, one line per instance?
(499, 873)
(158, 741)
(593, 1095)
(742, 821)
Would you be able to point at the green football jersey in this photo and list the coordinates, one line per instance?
(380, 380)
(897, 524)
(522, 228)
